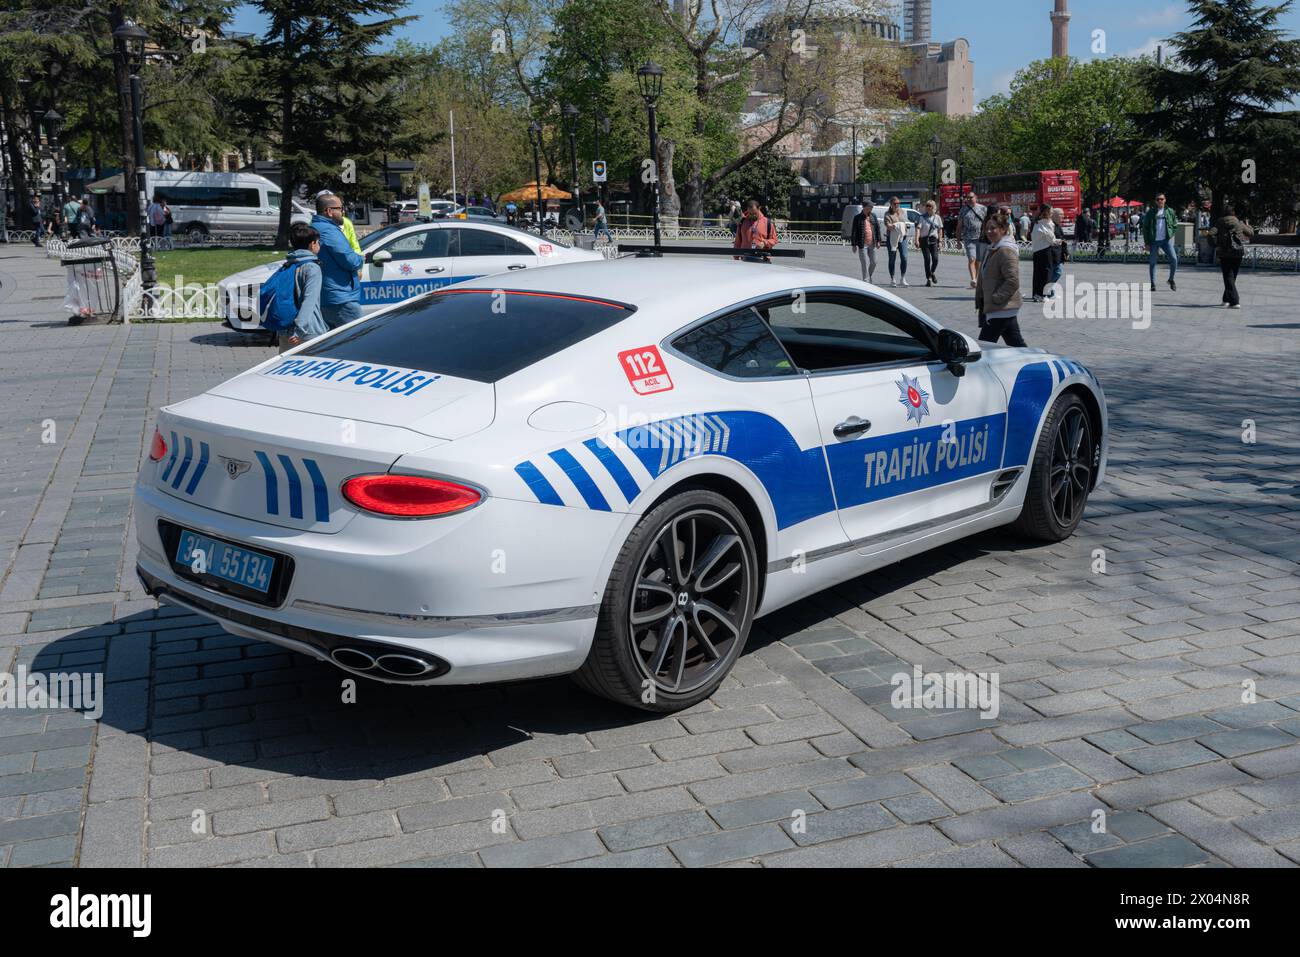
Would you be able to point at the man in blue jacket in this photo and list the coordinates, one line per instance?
(340, 294)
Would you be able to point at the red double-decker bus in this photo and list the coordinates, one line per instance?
(1023, 192)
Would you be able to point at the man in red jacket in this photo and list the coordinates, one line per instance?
(755, 230)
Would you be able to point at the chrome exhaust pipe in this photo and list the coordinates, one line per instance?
(352, 659)
(403, 666)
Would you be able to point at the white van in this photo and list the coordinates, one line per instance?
(220, 204)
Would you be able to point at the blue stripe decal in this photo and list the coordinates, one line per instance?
(198, 469)
(185, 463)
(1029, 397)
(320, 492)
(272, 484)
(536, 481)
(617, 470)
(295, 486)
(580, 479)
(171, 462)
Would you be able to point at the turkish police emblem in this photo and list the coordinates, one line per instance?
(914, 399)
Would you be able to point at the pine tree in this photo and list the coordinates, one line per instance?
(1216, 125)
(328, 93)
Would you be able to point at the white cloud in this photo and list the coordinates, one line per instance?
(1149, 48)
(1171, 15)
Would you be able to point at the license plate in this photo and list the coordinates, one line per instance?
(232, 563)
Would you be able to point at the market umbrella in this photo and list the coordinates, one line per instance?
(528, 194)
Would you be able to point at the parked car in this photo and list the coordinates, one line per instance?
(406, 260)
(217, 204)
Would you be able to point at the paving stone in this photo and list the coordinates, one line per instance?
(1039, 850)
(869, 850)
(760, 810)
(743, 844)
(1175, 729)
(863, 790)
(1232, 744)
(656, 830)
(1173, 850)
(1167, 757)
(544, 851)
(840, 823)
(1030, 785)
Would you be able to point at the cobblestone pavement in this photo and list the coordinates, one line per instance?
(1122, 690)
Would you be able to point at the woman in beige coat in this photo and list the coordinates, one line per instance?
(997, 291)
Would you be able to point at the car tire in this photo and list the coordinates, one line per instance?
(670, 630)
(196, 234)
(1062, 473)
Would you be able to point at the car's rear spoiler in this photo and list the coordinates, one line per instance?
(748, 255)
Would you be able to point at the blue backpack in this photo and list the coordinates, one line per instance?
(280, 298)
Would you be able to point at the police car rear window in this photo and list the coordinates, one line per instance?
(480, 334)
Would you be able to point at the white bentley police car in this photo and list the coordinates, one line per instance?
(409, 259)
(607, 470)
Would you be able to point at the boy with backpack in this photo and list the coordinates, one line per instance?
(290, 298)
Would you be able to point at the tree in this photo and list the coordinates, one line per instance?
(809, 55)
(768, 178)
(1215, 123)
(327, 92)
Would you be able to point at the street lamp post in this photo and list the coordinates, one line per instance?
(650, 81)
(1103, 215)
(535, 138)
(602, 126)
(934, 175)
(571, 114)
(961, 170)
(130, 40)
(53, 121)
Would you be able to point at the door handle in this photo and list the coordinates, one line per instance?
(850, 427)
(434, 269)
(517, 266)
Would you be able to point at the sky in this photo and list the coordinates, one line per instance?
(1004, 34)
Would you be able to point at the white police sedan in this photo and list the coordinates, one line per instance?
(608, 470)
(410, 259)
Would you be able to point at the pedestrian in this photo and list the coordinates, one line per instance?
(345, 224)
(1044, 242)
(1158, 231)
(1026, 225)
(168, 222)
(601, 224)
(85, 220)
(156, 218)
(971, 220)
(1062, 248)
(340, 297)
(1083, 227)
(862, 237)
(70, 210)
(930, 234)
(1231, 235)
(512, 213)
(308, 322)
(997, 291)
(755, 231)
(896, 241)
(38, 219)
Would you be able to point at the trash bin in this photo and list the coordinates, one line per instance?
(92, 291)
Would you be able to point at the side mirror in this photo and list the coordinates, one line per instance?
(957, 351)
(380, 257)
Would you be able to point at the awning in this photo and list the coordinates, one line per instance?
(111, 184)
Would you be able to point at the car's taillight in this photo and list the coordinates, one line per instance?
(409, 496)
(158, 448)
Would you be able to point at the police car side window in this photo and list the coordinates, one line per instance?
(829, 331)
(486, 242)
(422, 244)
(738, 344)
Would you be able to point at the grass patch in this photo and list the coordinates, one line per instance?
(211, 265)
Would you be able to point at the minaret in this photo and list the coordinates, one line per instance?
(1061, 29)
